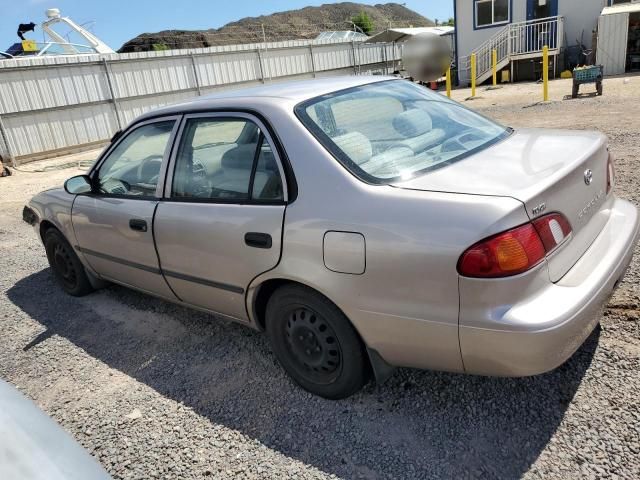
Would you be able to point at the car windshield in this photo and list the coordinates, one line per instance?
(395, 130)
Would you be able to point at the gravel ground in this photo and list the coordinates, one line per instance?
(156, 391)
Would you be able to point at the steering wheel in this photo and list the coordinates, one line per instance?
(147, 162)
(115, 186)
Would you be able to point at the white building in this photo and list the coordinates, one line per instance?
(518, 29)
(618, 49)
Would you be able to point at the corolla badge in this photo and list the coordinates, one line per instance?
(589, 207)
(588, 177)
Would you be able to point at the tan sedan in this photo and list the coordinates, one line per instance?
(363, 222)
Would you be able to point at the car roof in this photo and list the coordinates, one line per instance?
(272, 93)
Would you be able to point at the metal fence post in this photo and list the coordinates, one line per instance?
(313, 62)
(384, 59)
(7, 146)
(114, 101)
(393, 58)
(195, 74)
(260, 65)
(353, 57)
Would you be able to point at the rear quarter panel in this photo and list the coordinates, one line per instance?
(405, 305)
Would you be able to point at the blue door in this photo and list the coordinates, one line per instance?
(543, 33)
(535, 10)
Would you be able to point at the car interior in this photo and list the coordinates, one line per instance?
(420, 137)
(133, 167)
(215, 161)
(402, 133)
(223, 169)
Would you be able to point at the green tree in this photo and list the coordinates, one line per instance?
(450, 23)
(363, 22)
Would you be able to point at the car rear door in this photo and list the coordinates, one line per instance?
(113, 224)
(219, 224)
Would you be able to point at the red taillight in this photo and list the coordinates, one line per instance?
(553, 229)
(515, 251)
(611, 174)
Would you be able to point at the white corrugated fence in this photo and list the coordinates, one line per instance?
(57, 105)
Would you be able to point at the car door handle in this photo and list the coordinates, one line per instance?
(138, 225)
(258, 240)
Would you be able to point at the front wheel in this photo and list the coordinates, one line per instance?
(315, 343)
(65, 264)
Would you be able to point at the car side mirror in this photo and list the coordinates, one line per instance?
(78, 184)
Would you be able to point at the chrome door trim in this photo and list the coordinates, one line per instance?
(121, 261)
(179, 276)
(202, 281)
(169, 171)
(165, 157)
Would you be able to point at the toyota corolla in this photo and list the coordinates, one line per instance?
(364, 223)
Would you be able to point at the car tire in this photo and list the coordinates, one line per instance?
(599, 88)
(575, 91)
(66, 266)
(315, 343)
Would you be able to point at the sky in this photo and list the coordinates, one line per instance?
(117, 21)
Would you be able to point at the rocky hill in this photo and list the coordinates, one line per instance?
(305, 23)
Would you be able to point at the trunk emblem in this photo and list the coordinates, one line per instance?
(588, 177)
(591, 205)
(539, 209)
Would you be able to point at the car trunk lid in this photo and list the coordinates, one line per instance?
(548, 171)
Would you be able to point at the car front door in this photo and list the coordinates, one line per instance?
(219, 224)
(114, 224)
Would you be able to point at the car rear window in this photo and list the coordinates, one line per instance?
(396, 130)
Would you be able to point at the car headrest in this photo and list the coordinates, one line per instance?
(355, 145)
(240, 157)
(412, 123)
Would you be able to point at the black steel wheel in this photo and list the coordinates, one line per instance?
(65, 264)
(315, 343)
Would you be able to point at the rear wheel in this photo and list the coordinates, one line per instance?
(599, 88)
(576, 89)
(65, 264)
(315, 343)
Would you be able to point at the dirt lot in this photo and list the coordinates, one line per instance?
(156, 391)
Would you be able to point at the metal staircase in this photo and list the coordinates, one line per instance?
(516, 41)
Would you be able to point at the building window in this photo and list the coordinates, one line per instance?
(489, 13)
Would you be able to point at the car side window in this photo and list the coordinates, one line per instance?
(227, 160)
(134, 165)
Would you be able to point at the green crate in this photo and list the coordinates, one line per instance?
(588, 74)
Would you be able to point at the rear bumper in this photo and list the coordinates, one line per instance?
(542, 331)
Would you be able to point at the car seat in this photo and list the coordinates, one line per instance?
(416, 127)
